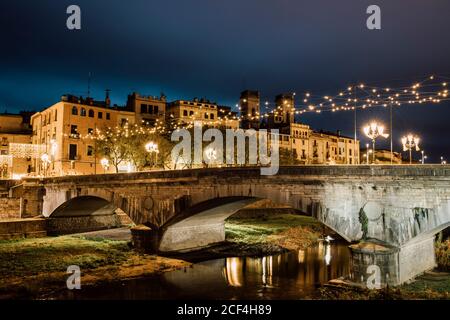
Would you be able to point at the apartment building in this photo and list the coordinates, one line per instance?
(186, 112)
(149, 110)
(65, 131)
(14, 130)
(310, 147)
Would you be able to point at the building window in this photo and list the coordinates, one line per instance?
(100, 115)
(185, 113)
(90, 151)
(108, 116)
(74, 111)
(206, 116)
(150, 109)
(155, 109)
(72, 152)
(83, 112)
(350, 152)
(56, 115)
(211, 116)
(91, 113)
(4, 141)
(191, 113)
(123, 122)
(90, 131)
(143, 108)
(73, 129)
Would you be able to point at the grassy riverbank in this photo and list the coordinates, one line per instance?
(29, 266)
(431, 285)
(285, 230)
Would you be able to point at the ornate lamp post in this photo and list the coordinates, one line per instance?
(410, 142)
(152, 147)
(105, 164)
(373, 131)
(424, 157)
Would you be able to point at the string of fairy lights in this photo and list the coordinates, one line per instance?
(432, 89)
(428, 90)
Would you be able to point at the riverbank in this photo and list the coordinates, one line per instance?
(30, 267)
(433, 285)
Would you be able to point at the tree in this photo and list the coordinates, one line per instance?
(127, 145)
(288, 157)
(112, 144)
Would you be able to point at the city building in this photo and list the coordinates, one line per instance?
(64, 132)
(310, 147)
(186, 112)
(284, 113)
(149, 110)
(60, 140)
(14, 131)
(249, 103)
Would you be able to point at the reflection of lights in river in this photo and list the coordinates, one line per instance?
(233, 272)
(327, 254)
(267, 265)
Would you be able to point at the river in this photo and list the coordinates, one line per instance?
(290, 275)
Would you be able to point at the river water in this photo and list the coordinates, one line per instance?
(290, 275)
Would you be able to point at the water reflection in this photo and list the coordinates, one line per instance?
(308, 268)
(290, 275)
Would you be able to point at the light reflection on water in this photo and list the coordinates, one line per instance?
(290, 275)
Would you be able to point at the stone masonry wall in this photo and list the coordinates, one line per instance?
(9, 208)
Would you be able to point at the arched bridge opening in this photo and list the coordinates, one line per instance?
(204, 224)
(84, 214)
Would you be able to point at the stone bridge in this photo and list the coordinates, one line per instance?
(399, 207)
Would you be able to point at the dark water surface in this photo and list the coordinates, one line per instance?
(291, 275)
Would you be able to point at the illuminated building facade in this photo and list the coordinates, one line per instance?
(66, 131)
(14, 129)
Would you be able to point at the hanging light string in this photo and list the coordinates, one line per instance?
(432, 89)
(362, 96)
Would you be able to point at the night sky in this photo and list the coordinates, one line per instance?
(215, 49)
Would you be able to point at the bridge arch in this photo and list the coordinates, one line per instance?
(86, 213)
(204, 223)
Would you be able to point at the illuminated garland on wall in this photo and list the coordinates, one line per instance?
(26, 150)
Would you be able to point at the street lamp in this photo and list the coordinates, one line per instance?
(373, 131)
(410, 142)
(152, 147)
(443, 161)
(105, 164)
(45, 162)
(424, 157)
